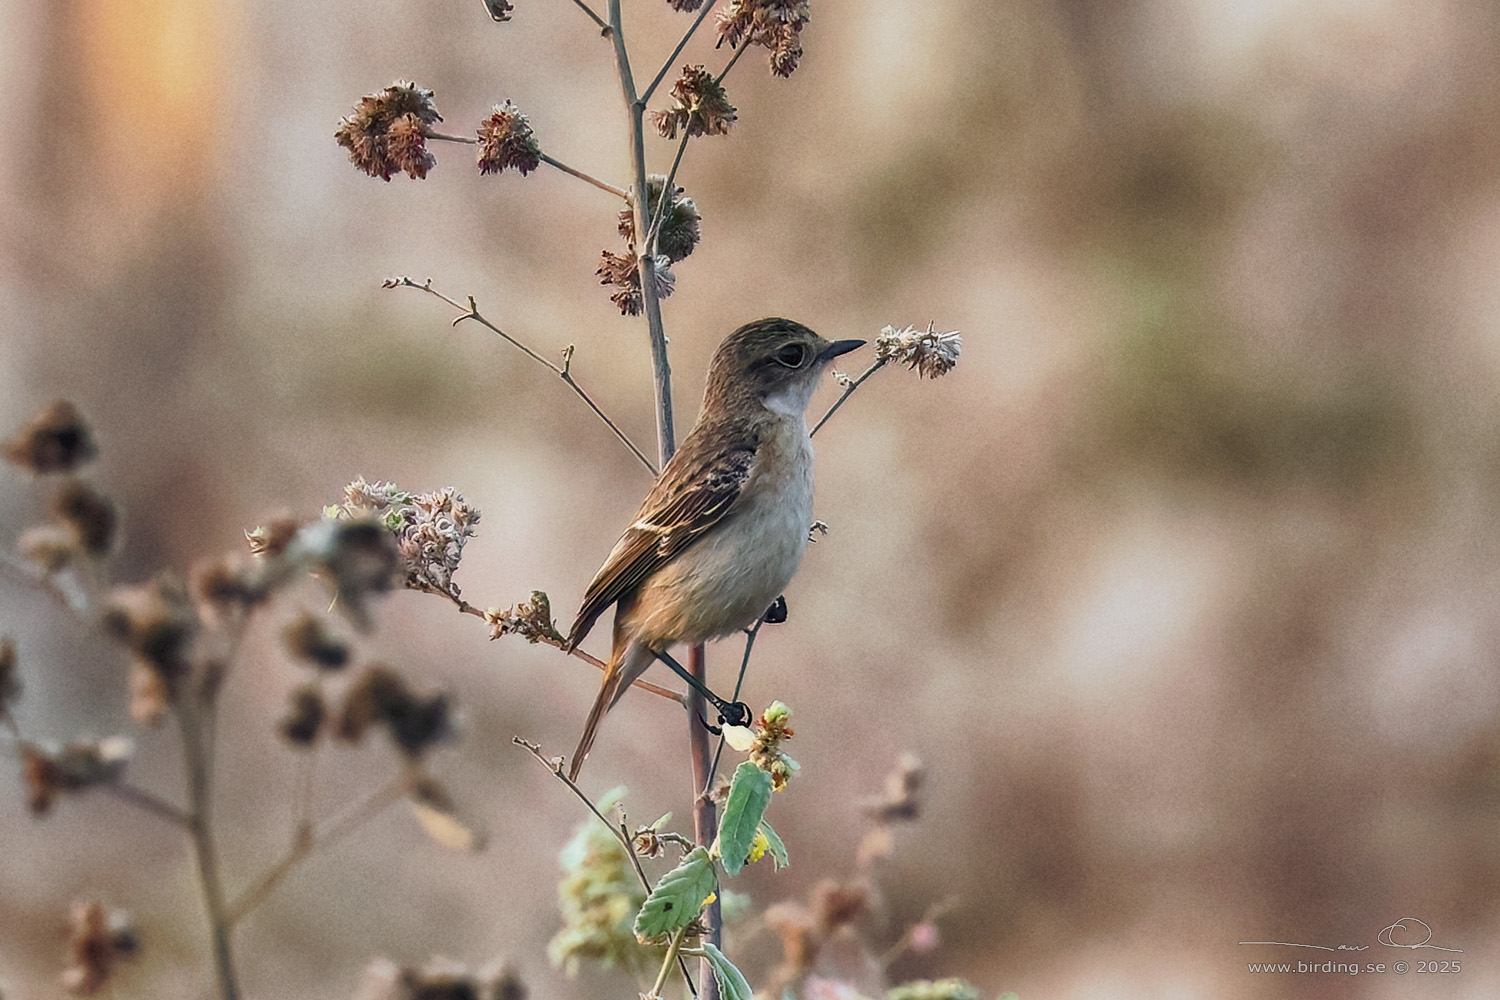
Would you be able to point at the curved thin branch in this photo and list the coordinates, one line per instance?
(563, 371)
(666, 67)
(550, 161)
(848, 391)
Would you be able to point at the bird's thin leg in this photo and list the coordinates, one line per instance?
(730, 713)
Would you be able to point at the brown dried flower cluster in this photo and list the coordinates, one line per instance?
(10, 684)
(387, 133)
(499, 9)
(927, 352)
(381, 696)
(310, 640)
(622, 270)
(805, 928)
(505, 140)
(440, 979)
(686, 6)
(531, 620)
(55, 440)
(76, 767)
(97, 939)
(677, 234)
(156, 622)
(430, 529)
(774, 24)
(899, 801)
(700, 106)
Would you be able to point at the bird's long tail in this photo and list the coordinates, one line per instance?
(618, 676)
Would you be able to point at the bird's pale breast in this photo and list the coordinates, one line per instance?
(724, 581)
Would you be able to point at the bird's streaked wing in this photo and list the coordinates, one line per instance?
(690, 497)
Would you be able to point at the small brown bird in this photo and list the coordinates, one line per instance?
(721, 532)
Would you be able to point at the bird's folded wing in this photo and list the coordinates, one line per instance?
(689, 498)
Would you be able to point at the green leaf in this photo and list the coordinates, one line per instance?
(732, 985)
(678, 897)
(777, 849)
(749, 794)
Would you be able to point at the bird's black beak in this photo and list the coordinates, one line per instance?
(838, 347)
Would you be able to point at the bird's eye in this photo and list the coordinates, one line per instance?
(792, 355)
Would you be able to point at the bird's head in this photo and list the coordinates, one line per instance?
(773, 362)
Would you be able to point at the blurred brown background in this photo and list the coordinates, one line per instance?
(1183, 584)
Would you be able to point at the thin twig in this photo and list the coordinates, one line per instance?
(200, 813)
(666, 964)
(904, 942)
(660, 212)
(564, 372)
(666, 67)
(308, 839)
(666, 439)
(848, 391)
(620, 833)
(596, 18)
(142, 799)
(739, 51)
(618, 192)
(471, 140)
(750, 635)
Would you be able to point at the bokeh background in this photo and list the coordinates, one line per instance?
(1183, 585)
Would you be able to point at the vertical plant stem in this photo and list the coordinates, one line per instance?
(705, 819)
(666, 438)
(705, 816)
(196, 757)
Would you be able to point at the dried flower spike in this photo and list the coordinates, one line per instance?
(700, 106)
(55, 440)
(926, 352)
(506, 140)
(677, 234)
(387, 133)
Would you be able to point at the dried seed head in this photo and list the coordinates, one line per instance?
(700, 106)
(531, 620)
(836, 905)
(76, 767)
(52, 548)
(499, 9)
(677, 234)
(89, 513)
(506, 140)
(10, 684)
(774, 24)
(899, 800)
(55, 440)
(151, 693)
(415, 723)
(926, 352)
(387, 133)
(96, 940)
(686, 6)
(272, 538)
(304, 717)
(621, 271)
(308, 638)
(225, 586)
(155, 621)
